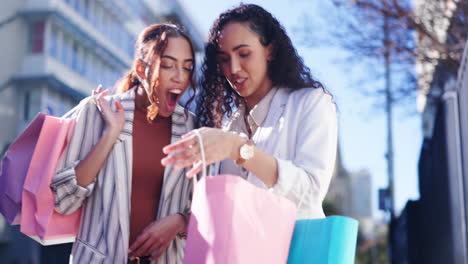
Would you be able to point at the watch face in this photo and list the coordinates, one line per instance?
(246, 151)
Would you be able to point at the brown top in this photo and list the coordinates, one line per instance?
(148, 173)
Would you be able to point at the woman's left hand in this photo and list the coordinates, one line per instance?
(218, 145)
(156, 237)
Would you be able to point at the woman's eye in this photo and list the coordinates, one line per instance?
(189, 69)
(166, 66)
(244, 54)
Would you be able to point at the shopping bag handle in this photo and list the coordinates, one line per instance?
(202, 154)
(204, 173)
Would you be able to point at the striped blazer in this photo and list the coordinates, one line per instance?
(103, 236)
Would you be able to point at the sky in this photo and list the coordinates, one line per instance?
(362, 124)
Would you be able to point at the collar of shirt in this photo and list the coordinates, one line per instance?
(257, 115)
(237, 124)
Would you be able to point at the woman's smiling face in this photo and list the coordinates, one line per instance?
(244, 61)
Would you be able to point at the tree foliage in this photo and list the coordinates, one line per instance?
(430, 33)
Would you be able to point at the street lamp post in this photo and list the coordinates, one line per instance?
(388, 111)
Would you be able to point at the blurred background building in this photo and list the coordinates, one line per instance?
(54, 52)
(433, 229)
(350, 194)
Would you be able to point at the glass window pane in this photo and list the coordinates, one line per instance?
(74, 56)
(64, 53)
(37, 37)
(53, 49)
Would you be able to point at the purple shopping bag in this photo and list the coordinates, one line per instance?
(14, 167)
(233, 222)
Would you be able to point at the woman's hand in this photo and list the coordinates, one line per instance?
(115, 120)
(156, 237)
(99, 90)
(88, 168)
(218, 145)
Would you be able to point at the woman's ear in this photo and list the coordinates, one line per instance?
(140, 70)
(270, 49)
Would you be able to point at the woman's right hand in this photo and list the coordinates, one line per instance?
(115, 120)
(217, 146)
(88, 168)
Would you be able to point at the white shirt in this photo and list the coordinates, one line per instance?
(300, 132)
(254, 119)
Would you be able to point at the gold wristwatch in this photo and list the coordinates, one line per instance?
(246, 152)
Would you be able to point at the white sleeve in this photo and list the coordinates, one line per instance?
(307, 176)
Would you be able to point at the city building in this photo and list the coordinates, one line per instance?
(434, 228)
(351, 193)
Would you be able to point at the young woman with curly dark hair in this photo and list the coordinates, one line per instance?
(283, 133)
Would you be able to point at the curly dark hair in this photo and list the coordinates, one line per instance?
(286, 69)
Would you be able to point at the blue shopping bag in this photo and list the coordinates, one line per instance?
(330, 240)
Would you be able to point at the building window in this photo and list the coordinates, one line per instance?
(98, 16)
(37, 37)
(86, 8)
(63, 50)
(84, 59)
(77, 5)
(92, 12)
(74, 55)
(104, 26)
(53, 43)
(97, 72)
(27, 104)
(90, 69)
(64, 54)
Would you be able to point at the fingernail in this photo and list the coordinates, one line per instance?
(166, 150)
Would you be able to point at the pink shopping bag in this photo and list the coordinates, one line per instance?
(233, 221)
(14, 167)
(38, 217)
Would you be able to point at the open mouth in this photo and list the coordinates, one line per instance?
(238, 83)
(172, 97)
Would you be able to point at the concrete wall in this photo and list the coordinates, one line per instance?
(12, 49)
